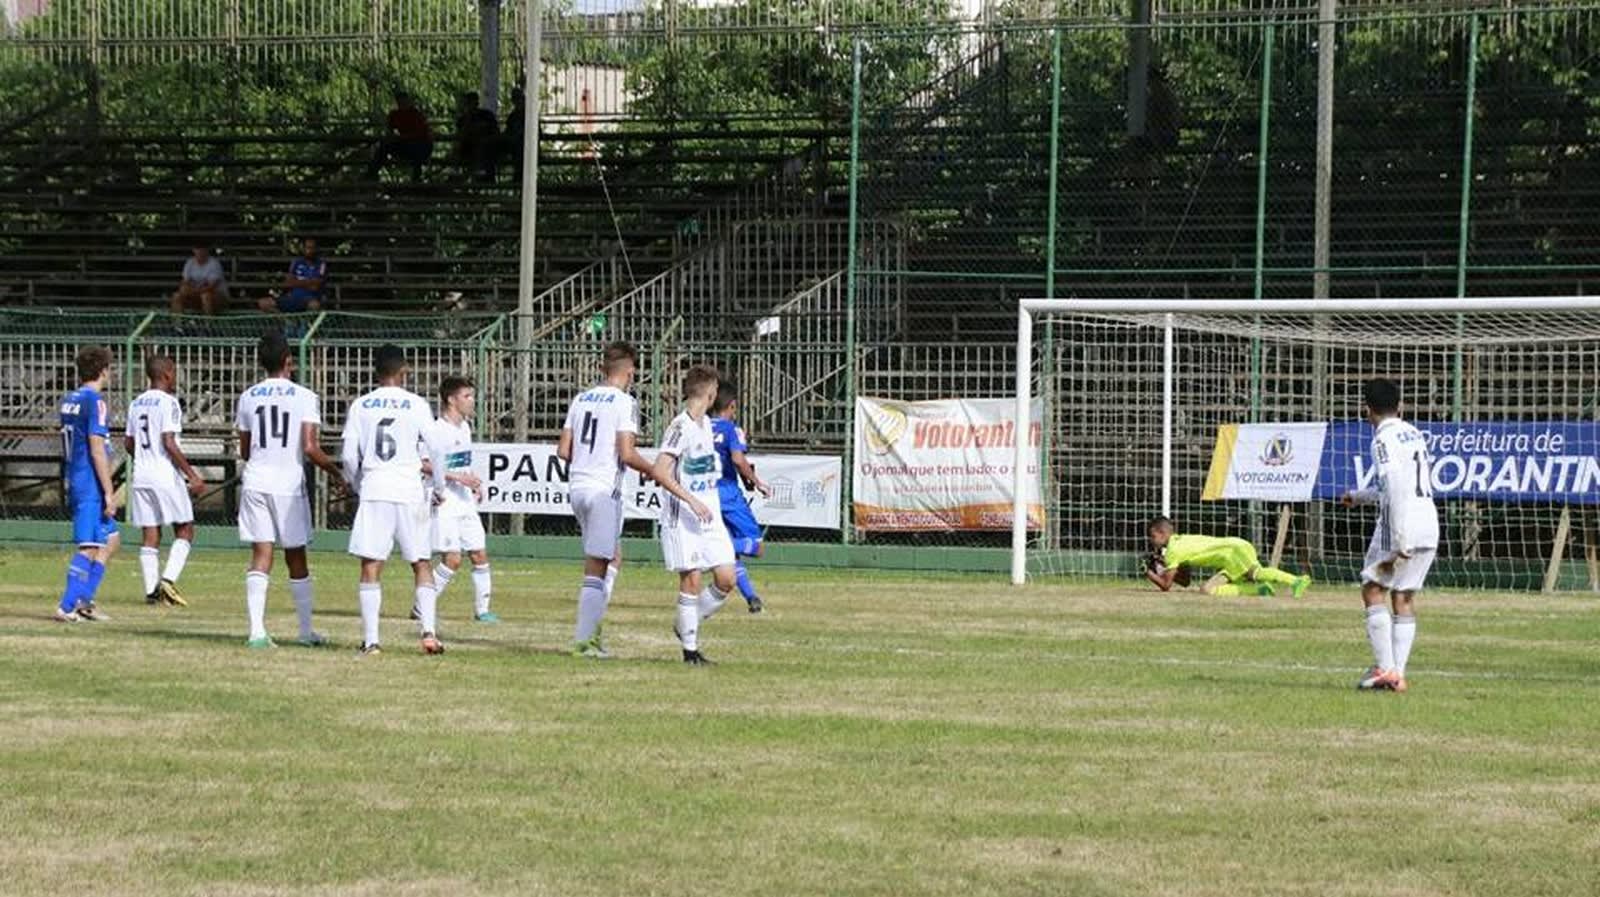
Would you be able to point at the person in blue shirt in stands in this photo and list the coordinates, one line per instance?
(86, 472)
(736, 470)
(304, 285)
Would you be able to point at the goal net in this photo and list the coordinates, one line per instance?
(1245, 418)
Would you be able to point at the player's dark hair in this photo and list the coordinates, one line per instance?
(615, 354)
(389, 360)
(698, 378)
(1382, 396)
(272, 353)
(1159, 522)
(451, 385)
(92, 361)
(158, 364)
(727, 394)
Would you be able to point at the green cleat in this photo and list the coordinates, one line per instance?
(311, 640)
(262, 642)
(487, 616)
(1301, 584)
(1266, 591)
(591, 649)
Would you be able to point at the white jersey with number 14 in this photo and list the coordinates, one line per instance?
(272, 415)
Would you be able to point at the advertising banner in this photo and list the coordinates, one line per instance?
(1265, 462)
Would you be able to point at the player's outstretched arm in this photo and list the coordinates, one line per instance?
(747, 473)
(311, 447)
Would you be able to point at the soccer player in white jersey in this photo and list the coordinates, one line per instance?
(692, 535)
(163, 481)
(382, 455)
(598, 442)
(277, 421)
(1404, 540)
(457, 529)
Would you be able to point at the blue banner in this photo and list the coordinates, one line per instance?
(1550, 461)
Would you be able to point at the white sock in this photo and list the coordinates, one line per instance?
(441, 578)
(611, 581)
(1380, 629)
(689, 621)
(371, 605)
(1405, 632)
(711, 601)
(428, 606)
(300, 589)
(255, 602)
(177, 556)
(591, 608)
(150, 568)
(480, 589)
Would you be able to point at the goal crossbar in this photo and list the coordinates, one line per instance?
(1172, 309)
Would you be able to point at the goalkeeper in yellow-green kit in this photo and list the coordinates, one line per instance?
(1173, 558)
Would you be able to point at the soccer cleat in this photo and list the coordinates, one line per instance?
(371, 650)
(1301, 583)
(696, 659)
(591, 649)
(755, 605)
(153, 598)
(63, 616)
(168, 592)
(487, 616)
(1266, 591)
(89, 613)
(260, 643)
(431, 644)
(1375, 679)
(1399, 684)
(416, 613)
(311, 640)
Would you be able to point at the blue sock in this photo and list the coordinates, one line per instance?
(78, 572)
(742, 577)
(97, 572)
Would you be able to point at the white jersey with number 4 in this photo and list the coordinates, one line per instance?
(272, 415)
(153, 414)
(383, 448)
(596, 417)
(1408, 522)
(450, 447)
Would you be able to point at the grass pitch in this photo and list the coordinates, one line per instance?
(873, 734)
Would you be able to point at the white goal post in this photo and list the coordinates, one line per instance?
(1539, 332)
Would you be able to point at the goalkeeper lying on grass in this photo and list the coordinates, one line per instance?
(1174, 557)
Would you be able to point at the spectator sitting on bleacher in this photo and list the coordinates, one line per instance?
(410, 138)
(516, 123)
(202, 286)
(477, 137)
(304, 285)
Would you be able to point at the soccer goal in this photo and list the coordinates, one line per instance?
(1240, 417)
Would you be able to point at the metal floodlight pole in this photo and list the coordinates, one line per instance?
(532, 106)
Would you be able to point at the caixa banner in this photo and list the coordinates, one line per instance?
(1524, 461)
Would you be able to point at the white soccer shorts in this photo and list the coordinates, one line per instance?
(382, 525)
(686, 545)
(600, 520)
(283, 519)
(149, 506)
(456, 532)
(1407, 574)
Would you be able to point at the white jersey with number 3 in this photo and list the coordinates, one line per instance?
(595, 418)
(153, 414)
(272, 415)
(383, 451)
(1407, 519)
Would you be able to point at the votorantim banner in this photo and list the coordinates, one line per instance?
(530, 479)
(941, 465)
(1266, 462)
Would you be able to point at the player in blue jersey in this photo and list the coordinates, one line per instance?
(86, 472)
(737, 474)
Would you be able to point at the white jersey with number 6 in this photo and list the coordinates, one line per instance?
(383, 450)
(1408, 522)
(272, 415)
(595, 418)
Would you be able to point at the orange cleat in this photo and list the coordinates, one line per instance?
(1375, 679)
(431, 644)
